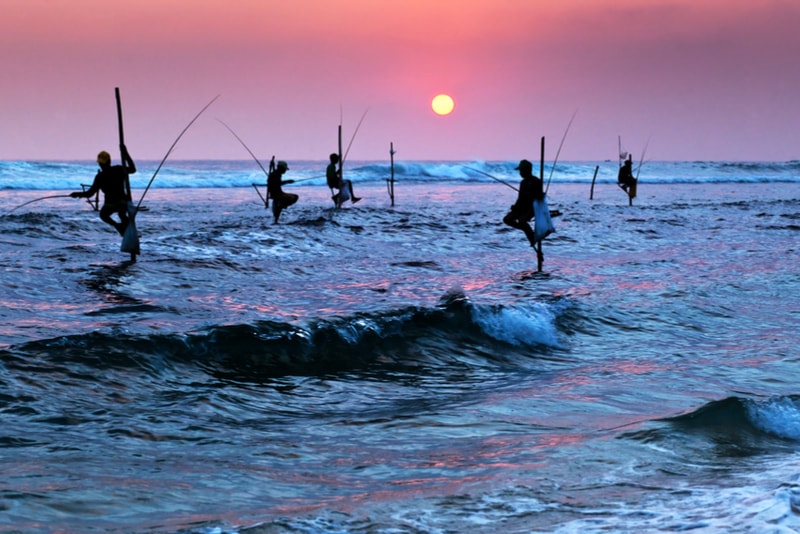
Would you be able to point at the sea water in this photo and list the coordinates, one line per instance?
(402, 368)
(54, 175)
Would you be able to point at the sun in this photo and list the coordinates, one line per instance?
(442, 104)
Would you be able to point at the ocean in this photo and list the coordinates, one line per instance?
(402, 368)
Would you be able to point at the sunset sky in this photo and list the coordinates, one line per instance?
(701, 79)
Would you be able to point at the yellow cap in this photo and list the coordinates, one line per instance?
(104, 158)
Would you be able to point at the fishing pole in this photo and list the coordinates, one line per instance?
(344, 157)
(641, 160)
(245, 146)
(492, 177)
(171, 148)
(34, 200)
(309, 178)
(390, 182)
(563, 138)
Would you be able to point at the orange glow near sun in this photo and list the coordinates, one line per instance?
(442, 104)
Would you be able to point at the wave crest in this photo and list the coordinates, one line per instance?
(455, 332)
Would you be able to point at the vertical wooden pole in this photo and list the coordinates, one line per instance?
(119, 117)
(591, 191)
(541, 162)
(539, 253)
(271, 170)
(632, 188)
(391, 182)
(341, 162)
(130, 238)
(122, 142)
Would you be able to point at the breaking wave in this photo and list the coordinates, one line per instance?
(58, 175)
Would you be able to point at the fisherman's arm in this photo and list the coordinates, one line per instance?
(89, 192)
(127, 161)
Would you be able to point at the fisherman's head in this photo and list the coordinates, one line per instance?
(104, 159)
(525, 167)
(334, 158)
(283, 166)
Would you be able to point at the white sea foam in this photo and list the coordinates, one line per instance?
(530, 325)
(55, 175)
(779, 416)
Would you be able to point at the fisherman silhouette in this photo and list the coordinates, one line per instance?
(345, 187)
(113, 181)
(280, 199)
(625, 177)
(530, 189)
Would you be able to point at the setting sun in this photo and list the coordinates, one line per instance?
(442, 104)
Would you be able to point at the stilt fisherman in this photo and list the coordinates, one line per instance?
(530, 190)
(280, 199)
(113, 181)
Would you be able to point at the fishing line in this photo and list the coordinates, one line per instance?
(354, 135)
(309, 178)
(492, 177)
(244, 145)
(563, 138)
(35, 200)
(641, 160)
(256, 159)
(171, 148)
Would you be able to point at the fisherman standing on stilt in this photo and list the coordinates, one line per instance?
(114, 183)
(530, 190)
(333, 176)
(280, 199)
(625, 177)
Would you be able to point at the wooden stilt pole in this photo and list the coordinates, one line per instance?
(539, 253)
(130, 237)
(341, 163)
(591, 191)
(541, 162)
(271, 170)
(391, 181)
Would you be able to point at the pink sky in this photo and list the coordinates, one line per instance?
(702, 79)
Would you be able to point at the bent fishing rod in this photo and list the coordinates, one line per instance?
(346, 152)
(171, 148)
(563, 138)
(257, 160)
(558, 152)
(245, 147)
(641, 160)
(151, 179)
(492, 177)
(34, 200)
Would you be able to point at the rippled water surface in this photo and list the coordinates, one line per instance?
(403, 369)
